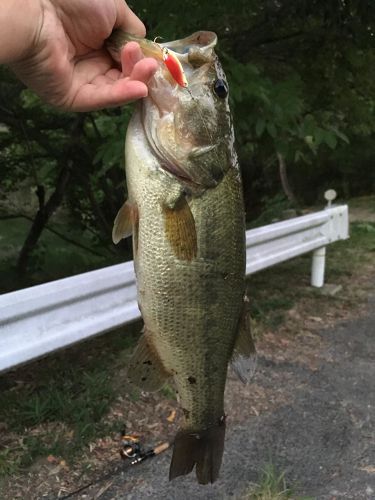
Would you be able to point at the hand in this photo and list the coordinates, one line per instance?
(67, 64)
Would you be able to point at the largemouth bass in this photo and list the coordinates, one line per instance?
(185, 211)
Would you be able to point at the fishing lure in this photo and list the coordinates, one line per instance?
(174, 67)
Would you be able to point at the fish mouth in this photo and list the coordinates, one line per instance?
(196, 48)
(179, 174)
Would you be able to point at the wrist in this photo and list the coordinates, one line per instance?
(20, 23)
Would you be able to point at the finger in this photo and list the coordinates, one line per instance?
(143, 70)
(91, 97)
(130, 55)
(127, 20)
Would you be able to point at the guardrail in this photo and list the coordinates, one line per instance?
(44, 318)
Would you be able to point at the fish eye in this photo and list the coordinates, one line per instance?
(221, 88)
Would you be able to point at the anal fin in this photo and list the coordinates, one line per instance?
(125, 219)
(244, 354)
(145, 368)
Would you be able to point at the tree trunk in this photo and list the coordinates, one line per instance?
(47, 209)
(284, 180)
(42, 217)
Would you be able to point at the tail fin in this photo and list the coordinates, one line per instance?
(203, 449)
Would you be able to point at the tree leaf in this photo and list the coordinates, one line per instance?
(260, 126)
(271, 129)
(330, 139)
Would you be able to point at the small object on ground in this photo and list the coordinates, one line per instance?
(172, 416)
(131, 449)
(150, 453)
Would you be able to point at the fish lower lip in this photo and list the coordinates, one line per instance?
(177, 172)
(199, 151)
(173, 170)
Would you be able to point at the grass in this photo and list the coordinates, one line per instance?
(272, 486)
(8, 464)
(168, 391)
(274, 292)
(58, 405)
(67, 410)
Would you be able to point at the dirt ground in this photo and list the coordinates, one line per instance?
(309, 411)
(312, 416)
(313, 420)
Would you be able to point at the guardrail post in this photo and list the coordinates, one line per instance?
(319, 256)
(318, 267)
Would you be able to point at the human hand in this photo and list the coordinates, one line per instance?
(67, 64)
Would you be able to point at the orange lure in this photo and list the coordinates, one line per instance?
(174, 67)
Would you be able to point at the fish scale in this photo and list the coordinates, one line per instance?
(189, 250)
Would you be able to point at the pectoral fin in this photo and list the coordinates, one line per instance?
(145, 368)
(124, 222)
(244, 353)
(180, 229)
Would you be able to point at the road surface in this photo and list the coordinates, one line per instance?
(322, 435)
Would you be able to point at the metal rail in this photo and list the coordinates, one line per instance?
(42, 319)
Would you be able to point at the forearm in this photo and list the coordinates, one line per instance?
(20, 22)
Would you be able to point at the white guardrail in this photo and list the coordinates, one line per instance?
(44, 318)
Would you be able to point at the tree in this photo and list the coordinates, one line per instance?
(302, 93)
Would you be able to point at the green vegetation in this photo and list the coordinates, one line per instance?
(9, 464)
(302, 93)
(168, 391)
(275, 290)
(57, 406)
(272, 486)
(53, 258)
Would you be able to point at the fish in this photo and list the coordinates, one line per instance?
(185, 212)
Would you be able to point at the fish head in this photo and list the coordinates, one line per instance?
(189, 129)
